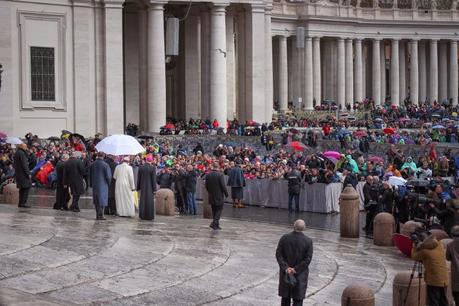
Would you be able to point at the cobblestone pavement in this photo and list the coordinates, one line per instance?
(51, 257)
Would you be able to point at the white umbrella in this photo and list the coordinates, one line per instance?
(397, 181)
(13, 140)
(120, 145)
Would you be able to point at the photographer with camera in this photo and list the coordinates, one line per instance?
(452, 254)
(431, 253)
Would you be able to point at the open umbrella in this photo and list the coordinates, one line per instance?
(360, 133)
(53, 138)
(3, 136)
(375, 159)
(332, 154)
(403, 243)
(13, 140)
(297, 146)
(389, 131)
(438, 127)
(120, 145)
(397, 181)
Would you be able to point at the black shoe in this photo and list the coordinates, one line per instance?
(212, 226)
(218, 227)
(76, 209)
(101, 218)
(24, 206)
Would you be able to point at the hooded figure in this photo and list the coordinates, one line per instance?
(353, 164)
(410, 164)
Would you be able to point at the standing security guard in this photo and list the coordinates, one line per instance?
(294, 187)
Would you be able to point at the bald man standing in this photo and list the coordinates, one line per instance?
(294, 254)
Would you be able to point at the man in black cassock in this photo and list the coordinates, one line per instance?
(62, 193)
(294, 254)
(73, 177)
(22, 174)
(146, 184)
(111, 208)
(216, 187)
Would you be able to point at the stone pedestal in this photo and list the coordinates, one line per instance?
(383, 229)
(206, 209)
(403, 290)
(439, 234)
(11, 194)
(165, 202)
(349, 213)
(357, 295)
(409, 227)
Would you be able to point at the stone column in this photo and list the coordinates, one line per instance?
(383, 71)
(443, 72)
(230, 66)
(309, 90)
(341, 74)
(414, 72)
(317, 75)
(453, 72)
(143, 69)
(255, 64)
(294, 81)
(218, 98)
(422, 73)
(156, 68)
(283, 74)
(269, 99)
(205, 64)
(192, 67)
(376, 67)
(433, 71)
(114, 83)
(402, 70)
(358, 71)
(349, 67)
(394, 71)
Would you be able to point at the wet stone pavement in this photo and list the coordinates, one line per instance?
(50, 257)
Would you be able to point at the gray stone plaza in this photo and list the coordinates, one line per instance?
(52, 257)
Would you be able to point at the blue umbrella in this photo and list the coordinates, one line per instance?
(438, 127)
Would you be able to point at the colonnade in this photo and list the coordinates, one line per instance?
(419, 69)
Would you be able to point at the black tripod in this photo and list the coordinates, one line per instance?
(416, 267)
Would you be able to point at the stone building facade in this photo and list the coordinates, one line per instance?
(95, 65)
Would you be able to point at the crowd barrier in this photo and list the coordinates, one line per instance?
(317, 197)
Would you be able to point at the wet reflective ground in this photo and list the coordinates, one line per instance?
(53, 257)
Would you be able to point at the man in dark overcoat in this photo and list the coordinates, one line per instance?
(294, 254)
(100, 177)
(62, 193)
(22, 174)
(294, 188)
(111, 208)
(146, 184)
(236, 181)
(73, 177)
(215, 186)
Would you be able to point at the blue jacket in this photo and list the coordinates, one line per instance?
(236, 177)
(100, 178)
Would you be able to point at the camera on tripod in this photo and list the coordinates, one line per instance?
(420, 234)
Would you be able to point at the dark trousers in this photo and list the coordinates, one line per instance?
(456, 297)
(287, 302)
(75, 199)
(372, 211)
(62, 197)
(216, 214)
(436, 296)
(23, 196)
(294, 197)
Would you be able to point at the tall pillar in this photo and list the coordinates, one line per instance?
(422, 73)
(205, 64)
(269, 99)
(442, 72)
(317, 76)
(341, 74)
(394, 71)
(402, 70)
(433, 71)
(376, 68)
(218, 98)
(414, 72)
(283, 74)
(192, 67)
(358, 71)
(230, 67)
(382, 59)
(143, 69)
(114, 83)
(255, 63)
(308, 98)
(349, 68)
(294, 81)
(453, 73)
(156, 68)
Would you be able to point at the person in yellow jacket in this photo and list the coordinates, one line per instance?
(432, 255)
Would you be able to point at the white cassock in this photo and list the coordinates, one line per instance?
(124, 187)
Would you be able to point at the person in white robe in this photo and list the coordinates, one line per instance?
(124, 188)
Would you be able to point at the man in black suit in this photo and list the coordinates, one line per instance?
(22, 174)
(294, 254)
(62, 194)
(73, 177)
(216, 187)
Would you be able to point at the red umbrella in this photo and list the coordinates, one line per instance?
(360, 133)
(389, 131)
(403, 243)
(375, 159)
(297, 146)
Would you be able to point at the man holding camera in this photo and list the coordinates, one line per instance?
(452, 254)
(431, 253)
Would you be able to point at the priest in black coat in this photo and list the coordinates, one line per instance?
(73, 177)
(294, 254)
(22, 174)
(216, 187)
(62, 193)
(146, 184)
